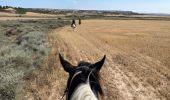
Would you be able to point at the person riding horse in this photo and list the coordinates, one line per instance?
(73, 24)
(79, 21)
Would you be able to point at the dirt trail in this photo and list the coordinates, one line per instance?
(126, 75)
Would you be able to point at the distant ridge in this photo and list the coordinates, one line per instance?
(157, 14)
(78, 11)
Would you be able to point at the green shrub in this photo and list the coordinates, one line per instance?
(20, 10)
(20, 54)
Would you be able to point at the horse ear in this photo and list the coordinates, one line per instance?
(98, 65)
(66, 65)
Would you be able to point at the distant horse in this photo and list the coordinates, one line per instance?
(83, 82)
(73, 24)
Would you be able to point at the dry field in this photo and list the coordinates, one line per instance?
(28, 15)
(137, 65)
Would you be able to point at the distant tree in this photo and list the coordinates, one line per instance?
(20, 10)
(5, 7)
(0, 7)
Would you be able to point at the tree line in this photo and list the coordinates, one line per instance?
(19, 10)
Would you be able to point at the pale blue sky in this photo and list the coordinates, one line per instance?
(147, 6)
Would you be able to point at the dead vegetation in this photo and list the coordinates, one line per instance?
(137, 64)
(136, 50)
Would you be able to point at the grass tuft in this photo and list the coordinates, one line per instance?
(22, 51)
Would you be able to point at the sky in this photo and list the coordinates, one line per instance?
(142, 6)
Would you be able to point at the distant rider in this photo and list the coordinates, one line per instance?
(79, 21)
(73, 24)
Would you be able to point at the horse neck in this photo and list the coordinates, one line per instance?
(83, 92)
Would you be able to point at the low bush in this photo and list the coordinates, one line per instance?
(24, 45)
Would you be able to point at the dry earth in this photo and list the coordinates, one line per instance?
(137, 65)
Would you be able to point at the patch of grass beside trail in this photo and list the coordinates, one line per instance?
(23, 46)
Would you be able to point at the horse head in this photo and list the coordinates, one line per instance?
(83, 73)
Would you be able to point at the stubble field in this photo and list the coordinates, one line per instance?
(137, 65)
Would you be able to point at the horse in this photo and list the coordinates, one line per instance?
(73, 24)
(84, 80)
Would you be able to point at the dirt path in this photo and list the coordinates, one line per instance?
(126, 75)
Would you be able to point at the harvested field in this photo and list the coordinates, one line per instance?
(28, 16)
(137, 65)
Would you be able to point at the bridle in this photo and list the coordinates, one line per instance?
(65, 92)
(77, 73)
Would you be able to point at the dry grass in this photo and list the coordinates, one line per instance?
(41, 14)
(137, 65)
(28, 15)
(138, 51)
(149, 38)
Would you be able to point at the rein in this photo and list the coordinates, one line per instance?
(77, 73)
(63, 95)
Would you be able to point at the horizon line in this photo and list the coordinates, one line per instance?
(140, 12)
